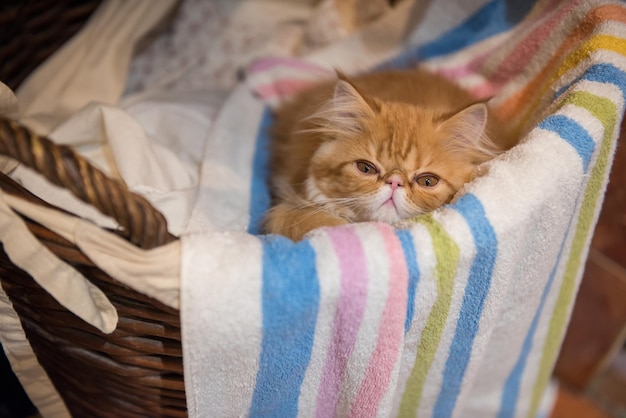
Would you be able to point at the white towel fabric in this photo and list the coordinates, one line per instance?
(461, 313)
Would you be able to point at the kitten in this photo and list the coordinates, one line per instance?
(384, 146)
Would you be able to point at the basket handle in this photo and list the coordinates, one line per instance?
(140, 222)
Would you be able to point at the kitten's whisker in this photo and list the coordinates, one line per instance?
(440, 132)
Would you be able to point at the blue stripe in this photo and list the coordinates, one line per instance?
(602, 73)
(573, 133)
(259, 194)
(414, 274)
(476, 291)
(493, 18)
(510, 392)
(290, 306)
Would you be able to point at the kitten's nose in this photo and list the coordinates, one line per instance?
(394, 181)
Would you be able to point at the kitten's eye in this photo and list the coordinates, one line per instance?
(427, 180)
(366, 167)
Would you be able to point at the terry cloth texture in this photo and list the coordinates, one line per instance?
(461, 313)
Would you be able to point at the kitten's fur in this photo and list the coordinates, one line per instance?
(385, 146)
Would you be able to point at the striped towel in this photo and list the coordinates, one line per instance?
(460, 314)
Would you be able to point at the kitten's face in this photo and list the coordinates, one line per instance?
(393, 161)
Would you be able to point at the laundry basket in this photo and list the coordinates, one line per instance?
(136, 370)
(460, 312)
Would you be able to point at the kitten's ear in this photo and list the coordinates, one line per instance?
(349, 107)
(467, 127)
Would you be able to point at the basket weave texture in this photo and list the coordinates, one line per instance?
(31, 30)
(137, 370)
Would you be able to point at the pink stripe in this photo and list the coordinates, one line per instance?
(514, 63)
(282, 88)
(268, 63)
(350, 311)
(484, 91)
(391, 332)
(464, 70)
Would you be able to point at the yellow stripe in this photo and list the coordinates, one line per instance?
(447, 253)
(597, 42)
(593, 44)
(605, 111)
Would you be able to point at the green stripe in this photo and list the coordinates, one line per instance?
(606, 111)
(447, 256)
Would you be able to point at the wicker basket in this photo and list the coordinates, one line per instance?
(31, 30)
(137, 370)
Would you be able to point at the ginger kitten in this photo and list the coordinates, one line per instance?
(384, 146)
